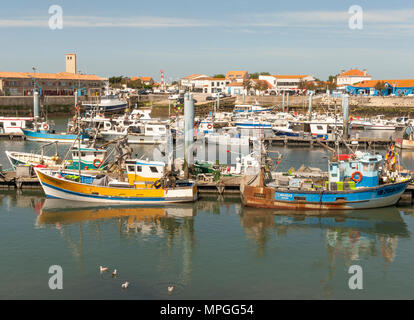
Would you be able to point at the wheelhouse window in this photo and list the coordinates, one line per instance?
(131, 168)
(139, 169)
(154, 169)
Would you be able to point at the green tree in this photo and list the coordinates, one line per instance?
(380, 85)
(219, 75)
(255, 75)
(135, 84)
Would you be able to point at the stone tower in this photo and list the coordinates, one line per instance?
(71, 62)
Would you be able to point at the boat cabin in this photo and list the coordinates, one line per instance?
(14, 125)
(142, 171)
(91, 158)
(363, 170)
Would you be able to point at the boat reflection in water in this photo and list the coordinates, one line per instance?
(67, 212)
(353, 234)
(174, 224)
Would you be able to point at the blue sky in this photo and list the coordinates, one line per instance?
(182, 37)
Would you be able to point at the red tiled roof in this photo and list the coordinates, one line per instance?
(402, 83)
(54, 76)
(236, 74)
(290, 76)
(354, 73)
(194, 76)
(146, 79)
(235, 84)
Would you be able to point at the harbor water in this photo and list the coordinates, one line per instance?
(211, 249)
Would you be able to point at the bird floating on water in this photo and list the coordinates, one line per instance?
(125, 285)
(170, 288)
(114, 273)
(103, 269)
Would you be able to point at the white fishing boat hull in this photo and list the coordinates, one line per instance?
(379, 127)
(59, 188)
(404, 144)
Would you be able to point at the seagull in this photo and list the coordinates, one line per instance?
(170, 288)
(103, 269)
(125, 285)
(114, 273)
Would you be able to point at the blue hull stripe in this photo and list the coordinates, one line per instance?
(340, 197)
(254, 125)
(49, 136)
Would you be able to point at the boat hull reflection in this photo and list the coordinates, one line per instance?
(68, 212)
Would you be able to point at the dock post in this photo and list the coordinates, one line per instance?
(76, 97)
(310, 106)
(345, 112)
(188, 132)
(36, 107)
(287, 101)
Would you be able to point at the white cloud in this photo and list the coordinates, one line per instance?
(108, 22)
(379, 19)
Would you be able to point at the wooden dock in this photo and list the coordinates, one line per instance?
(9, 180)
(12, 136)
(313, 142)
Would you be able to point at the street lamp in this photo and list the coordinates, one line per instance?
(80, 72)
(34, 71)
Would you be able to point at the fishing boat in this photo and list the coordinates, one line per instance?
(47, 135)
(138, 133)
(15, 124)
(380, 123)
(91, 158)
(147, 183)
(253, 123)
(107, 103)
(407, 140)
(242, 108)
(285, 129)
(354, 182)
(249, 164)
(228, 139)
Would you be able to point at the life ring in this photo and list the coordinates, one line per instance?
(356, 173)
(45, 126)
(157, 184)
(209, 126)
(97, 161)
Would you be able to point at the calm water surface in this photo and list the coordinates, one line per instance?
(212, 249)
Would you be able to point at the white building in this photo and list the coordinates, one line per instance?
(205, 84)
(286, 82)
(351, 77)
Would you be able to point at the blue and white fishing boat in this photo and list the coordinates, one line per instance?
(253, 124)
(107, 103)
(45, 135)
(357, 181)
(248, 108)
(285, 130)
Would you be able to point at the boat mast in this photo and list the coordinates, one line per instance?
(79, 136)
